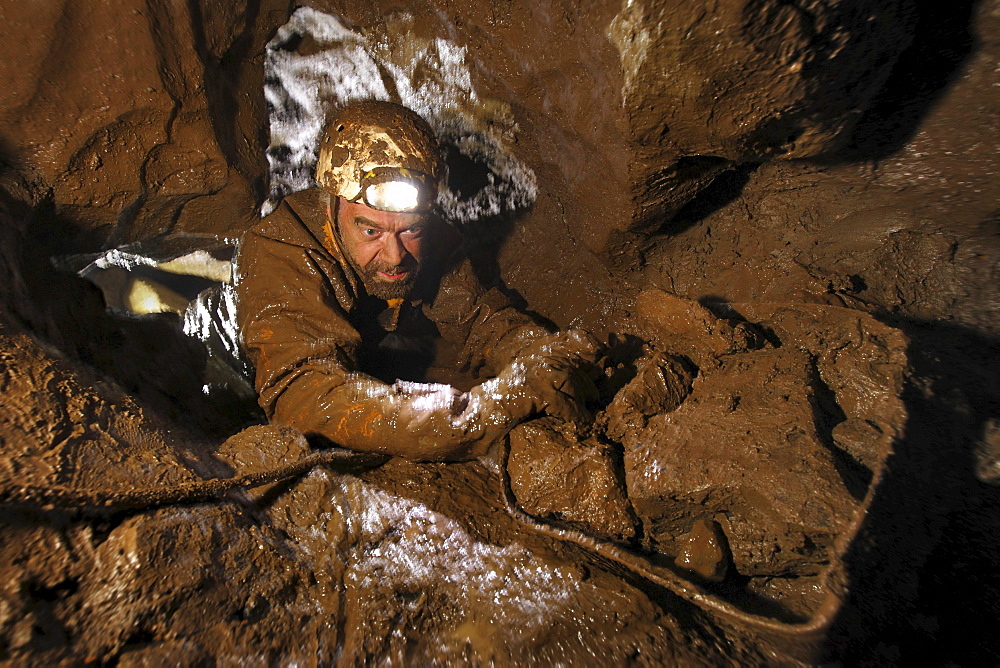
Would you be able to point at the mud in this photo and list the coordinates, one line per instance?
(787, 215)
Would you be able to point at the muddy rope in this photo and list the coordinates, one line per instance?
(624, 563)
(98, 500)
(617, 560)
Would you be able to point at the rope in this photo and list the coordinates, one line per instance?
(105, 500)
(625, 563)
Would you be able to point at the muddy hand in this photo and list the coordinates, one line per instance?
(559, 375)
(565, 393)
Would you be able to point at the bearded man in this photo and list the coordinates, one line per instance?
(352, 296)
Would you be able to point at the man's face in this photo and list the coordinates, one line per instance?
(386, 248)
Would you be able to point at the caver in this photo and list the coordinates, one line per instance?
(353, 295)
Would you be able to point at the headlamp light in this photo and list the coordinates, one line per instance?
(397, 190)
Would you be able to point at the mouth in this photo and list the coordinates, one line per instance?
(392, 276)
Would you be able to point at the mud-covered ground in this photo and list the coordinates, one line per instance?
(790, 207)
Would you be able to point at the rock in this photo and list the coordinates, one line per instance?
(156, 576)
(704, 552)
(262, 448)
(859, 438)
(745, 446)
(556, 476)
(109, 108)
(861, 361)
(684, 326)
(706, 88)
(988, 453)
(660, 384)
(778, 445)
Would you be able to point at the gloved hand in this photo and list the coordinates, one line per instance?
(554, 375)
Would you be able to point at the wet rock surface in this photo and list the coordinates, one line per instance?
(752, 448)
(706, 89)
(557, 477)
(798, 451)
(704, 551)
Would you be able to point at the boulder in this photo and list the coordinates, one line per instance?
(778, 446)
(710, 86)
(556, 476)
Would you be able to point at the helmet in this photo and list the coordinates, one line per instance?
(383, 154)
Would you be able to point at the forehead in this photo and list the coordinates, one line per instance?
(361, 213)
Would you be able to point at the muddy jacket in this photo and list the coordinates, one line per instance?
(316, 339)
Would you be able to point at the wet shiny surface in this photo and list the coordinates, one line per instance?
(102, 149)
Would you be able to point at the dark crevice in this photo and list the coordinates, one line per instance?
(722, 191)
(931, 521)
(219, 78)
(827, 414)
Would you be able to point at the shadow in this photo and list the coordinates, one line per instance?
(721, 192)
(827, 414)
(149, 357)
(483, 236)
(227, 79)
(942, 43)
(481, 242)
(924, 582)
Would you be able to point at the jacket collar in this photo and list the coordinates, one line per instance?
(308, 208)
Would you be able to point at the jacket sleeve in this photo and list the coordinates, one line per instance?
(481, 322)
(304, 351)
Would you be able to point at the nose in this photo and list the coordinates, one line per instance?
(393, 250)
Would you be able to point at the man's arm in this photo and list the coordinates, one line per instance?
(481, 322)
(536, 369)
(304, 351)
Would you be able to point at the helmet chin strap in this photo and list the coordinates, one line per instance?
(332, 229)
(333, 215)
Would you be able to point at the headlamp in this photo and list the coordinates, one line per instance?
(397, 190)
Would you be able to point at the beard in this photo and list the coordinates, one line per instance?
(378, 287)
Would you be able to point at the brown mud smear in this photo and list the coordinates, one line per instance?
(802, 395)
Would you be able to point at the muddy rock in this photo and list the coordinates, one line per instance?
(120, 127)
(156, 575)
(556, 476)
(704, 551)
(744, 81)
(684, 326)
(88, 590)
(260, 448)
(749, 457)
(753, 446)
(421, 560)
(64, 424)
(988, 453)
(660, 384)
(861, 362)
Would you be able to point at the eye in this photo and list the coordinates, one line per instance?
(370, 232)
(413, 232)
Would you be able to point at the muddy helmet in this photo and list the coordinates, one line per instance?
(382, 154)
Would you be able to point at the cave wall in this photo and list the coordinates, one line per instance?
(150, 117)
(139, 117)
